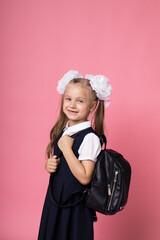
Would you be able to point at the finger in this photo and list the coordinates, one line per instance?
(52, 161)
(52, 168)
(51, 171)
(57, 160)
(51, 155)
(53, 165)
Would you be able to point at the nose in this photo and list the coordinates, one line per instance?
(72, 104)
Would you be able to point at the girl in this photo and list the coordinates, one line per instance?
(73, 170)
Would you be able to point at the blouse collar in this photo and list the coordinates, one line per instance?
(76, 128)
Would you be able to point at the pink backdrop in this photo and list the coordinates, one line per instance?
(40, 41)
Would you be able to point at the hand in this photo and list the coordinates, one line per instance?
(65, 143)
(52, 163)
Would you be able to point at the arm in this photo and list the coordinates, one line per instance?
(81, 170)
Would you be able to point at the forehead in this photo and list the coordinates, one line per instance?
(76, 89)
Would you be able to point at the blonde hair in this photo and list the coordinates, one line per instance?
(97, 120)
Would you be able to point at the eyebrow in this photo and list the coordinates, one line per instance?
(76, 97)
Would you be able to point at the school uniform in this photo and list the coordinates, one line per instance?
(76, 222)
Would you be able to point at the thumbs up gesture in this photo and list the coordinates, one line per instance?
(51, 164)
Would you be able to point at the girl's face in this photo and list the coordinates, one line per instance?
(77, 103)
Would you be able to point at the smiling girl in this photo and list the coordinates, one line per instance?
(74, 169)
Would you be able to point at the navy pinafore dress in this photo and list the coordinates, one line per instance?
(72, 223)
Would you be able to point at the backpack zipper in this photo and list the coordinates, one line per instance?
(109, 190)
(110, 193)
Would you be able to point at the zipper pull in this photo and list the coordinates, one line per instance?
(115, 176)
(109, 190)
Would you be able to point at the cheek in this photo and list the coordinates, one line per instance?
(85, 109)
(64, 106)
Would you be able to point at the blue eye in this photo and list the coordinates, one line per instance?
(80, 101)
(68, 99)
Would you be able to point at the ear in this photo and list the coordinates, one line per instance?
(93, 106)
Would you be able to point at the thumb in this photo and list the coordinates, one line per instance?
(51, 155)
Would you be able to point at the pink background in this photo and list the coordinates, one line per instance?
(40, 41)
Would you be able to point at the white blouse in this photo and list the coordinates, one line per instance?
(90, 146)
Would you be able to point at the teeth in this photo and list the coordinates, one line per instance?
(72, 111)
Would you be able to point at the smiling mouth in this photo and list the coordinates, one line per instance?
(71, 111)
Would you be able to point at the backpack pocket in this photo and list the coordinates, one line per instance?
(111, 191)
(96, 197)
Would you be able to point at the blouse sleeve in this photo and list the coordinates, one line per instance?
(89, 148)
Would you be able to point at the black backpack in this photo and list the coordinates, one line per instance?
(108, 191)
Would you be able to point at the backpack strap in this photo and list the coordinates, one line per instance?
(103, 140)
(66, 204)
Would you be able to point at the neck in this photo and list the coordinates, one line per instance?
(71, 123)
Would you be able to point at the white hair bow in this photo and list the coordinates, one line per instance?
(99, 83)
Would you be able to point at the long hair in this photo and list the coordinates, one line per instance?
(97, 120)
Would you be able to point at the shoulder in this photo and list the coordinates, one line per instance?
(90, 147)
(91, 137)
